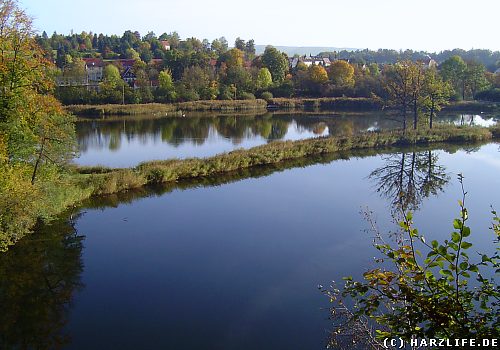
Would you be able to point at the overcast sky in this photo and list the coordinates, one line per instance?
(432, 25)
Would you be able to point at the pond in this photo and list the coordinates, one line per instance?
(231, 262)
(125, 142)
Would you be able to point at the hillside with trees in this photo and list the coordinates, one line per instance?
(166, 68)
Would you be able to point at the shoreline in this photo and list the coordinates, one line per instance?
(276, 104)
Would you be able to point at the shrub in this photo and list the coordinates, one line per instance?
(247, 96)
(266, 95)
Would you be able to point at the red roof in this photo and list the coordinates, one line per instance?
(125, 63)
(96, 62)
(156, 61)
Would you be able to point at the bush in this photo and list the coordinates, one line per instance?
(266, 95)
(247, 96)
(492, 95)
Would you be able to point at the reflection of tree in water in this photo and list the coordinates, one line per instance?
(407, 178)
(38, 277)
(319, 128)
(342, 127)
(233, 128)
(195, 129)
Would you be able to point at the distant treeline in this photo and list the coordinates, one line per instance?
(133, 69)
(490, 59)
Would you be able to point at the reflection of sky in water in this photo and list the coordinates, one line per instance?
(257, 248)
(475, 119)
(127, 143)
(130, 150)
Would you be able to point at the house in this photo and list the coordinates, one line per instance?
(129, 76)
(165, 44)
(429, 62)
(94, 68)
(309, 61)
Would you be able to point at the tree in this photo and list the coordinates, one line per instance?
(233, 58)
(436, 94)
(76, 69)
(475, 78)
(36, 135)
(341, 73)
(195, 84)
(167, 88)
(240, 78)
(317, 74)
(239, 44)
(264, 79)
(250, 49)
(453, 71)
(399, 80)
(219, 45)
(276, 62)
(111, 75)
(132, 54)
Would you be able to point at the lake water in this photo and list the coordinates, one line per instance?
(126, 142)
(231, 262)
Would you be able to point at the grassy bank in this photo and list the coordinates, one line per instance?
(325, 103)
(328, 103)
(114, 199)
(170, 109)
(107, 181)
(472, 106)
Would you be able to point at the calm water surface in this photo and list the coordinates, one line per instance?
(232, 263)
(125, 143)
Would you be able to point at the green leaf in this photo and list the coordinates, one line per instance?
(455, 237)
(473, 268)
(464, 265)
(445, 272)
(466, 231)
(457, 224)
(434, 244)
(466, 245)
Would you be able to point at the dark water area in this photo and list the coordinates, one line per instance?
(128, 141)
(230, 262)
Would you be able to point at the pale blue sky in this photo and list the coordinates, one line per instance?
(398, 24)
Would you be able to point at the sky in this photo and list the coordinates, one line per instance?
(430, 25)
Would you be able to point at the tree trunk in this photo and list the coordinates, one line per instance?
(404, 119)
(415, 114)
(40, 154)
(431, 115)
